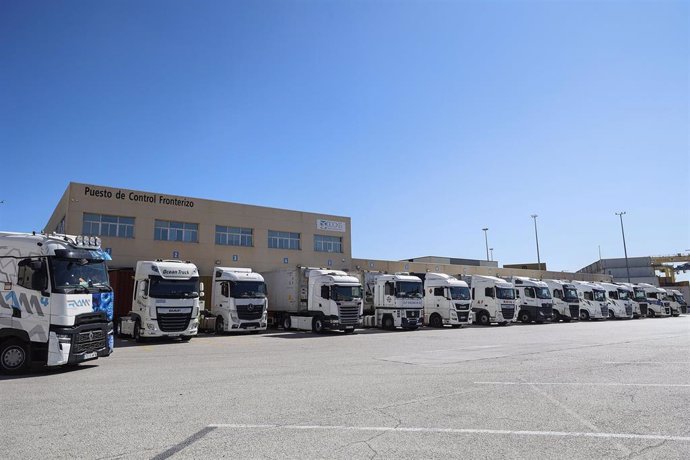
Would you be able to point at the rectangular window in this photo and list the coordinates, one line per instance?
(165, 230)
(234, 236)
(104, 225)
(325, 243)
(283, 240)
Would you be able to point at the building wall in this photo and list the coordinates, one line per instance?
(84, 198)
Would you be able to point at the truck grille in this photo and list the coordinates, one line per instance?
(668, 310)
(174, 322)
(574, 311)
(605, 312)
(250, 312)
(508, 312)
(89, 341)
(412, 314)
(628, 310)
(348, 314)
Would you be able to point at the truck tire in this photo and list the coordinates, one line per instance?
(14, 356)
(436, 320)
(219, 325)
(287, 324)
(388, 323)
(650, 313)
(350, 331)
(136, 333)
(525, 317)
(483, 318)
(317, 325)
(566, 319)
(611, 314)
(185, 338)
(584, 315)
(556, 317)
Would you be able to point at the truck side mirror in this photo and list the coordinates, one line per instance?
(141, 289)
(201, 286)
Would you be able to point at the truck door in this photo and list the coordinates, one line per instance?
(30, 307)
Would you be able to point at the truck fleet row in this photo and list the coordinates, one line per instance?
(56, 305)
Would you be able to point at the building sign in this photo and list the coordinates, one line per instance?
(138, 197)
(330, 225)
(176, 254)
(235, 257)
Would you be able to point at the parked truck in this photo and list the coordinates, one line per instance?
(534, 301)
(393, 300)
(56, 305)
(593, 303)
(566, 304)
(656, 306)
(493, 300)
(447, 300)
(239, 301)
(639, 299)
(677, 302)
(621, 305)
(314, 299)
(165, 301)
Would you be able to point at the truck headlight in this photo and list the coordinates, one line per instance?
(151, 326)
(64, 338)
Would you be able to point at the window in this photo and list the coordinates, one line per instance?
(325, 243)
(225, 289)
(283, 240)
(234, 236)
(31, 274)
(489, 292)
(589, 295)
(390, 289)
(529, 292)
(176, 231)
(438, 292)
(104, 225)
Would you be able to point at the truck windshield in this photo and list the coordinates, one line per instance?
(570, 295)
(505, 293)
(623, 294)
(78, 275)
(346, 293)
(247, 289)
(543, 293)
(680, 299)
(173, 289)
(640, 296)
(460, 293)
(599, 296)
(409, 289)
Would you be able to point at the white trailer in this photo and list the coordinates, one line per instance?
(566, 303)
(493, 300)
(621, 305)
(165, 301)
(393, 301)
(239, 301)
(534, 299)
(447, 300)
(593, 303)
(656, 306)
(56, 305)
(314, 299)
(676, 301)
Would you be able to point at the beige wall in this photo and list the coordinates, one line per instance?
(420, 267)
(208, 214)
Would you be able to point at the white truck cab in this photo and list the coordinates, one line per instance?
(534, 299)
(165, 301)
(639, 299)
(393, 301)
(656, 306)
(621, 305)
(239, 300)
(447, 300)
(676, 302)
(493, 300)
(566, 303)
(593, 303)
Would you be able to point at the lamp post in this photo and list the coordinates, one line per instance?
(536, 237)
(625, 249)
(486, 240)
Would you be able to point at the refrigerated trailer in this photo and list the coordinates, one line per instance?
(314, 299)
(56, 305)
(165, 301)
(447, 300)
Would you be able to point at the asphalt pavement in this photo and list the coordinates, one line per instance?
(608, 389)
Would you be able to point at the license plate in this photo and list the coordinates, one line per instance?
(91, 355)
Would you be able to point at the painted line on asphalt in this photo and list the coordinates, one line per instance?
(573, 434)
(647, 362)
(602, 384)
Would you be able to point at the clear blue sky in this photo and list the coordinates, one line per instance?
(423, 121)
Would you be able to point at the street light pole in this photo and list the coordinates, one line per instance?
(625, 249)
(536, 236)
(486, 240)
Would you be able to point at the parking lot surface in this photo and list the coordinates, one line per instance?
(613, 389)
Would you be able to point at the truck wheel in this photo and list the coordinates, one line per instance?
(14, 356)
(287, 324)
(219, 325)
(435, 320)
(584, 315)
(556, 317)
(483, 318)
(388, 323)
(185, 338)
(566, 319)
(524, 317)
(650, 313)
(136, 334)
(350, 331)
(611, 315)
(317, 325)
